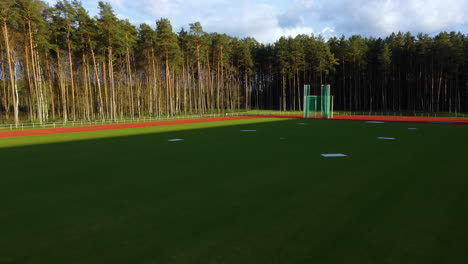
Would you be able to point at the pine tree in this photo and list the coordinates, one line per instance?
(198, 43)
(168, 48)
(111, 36)
(246, 63)
(282, 55)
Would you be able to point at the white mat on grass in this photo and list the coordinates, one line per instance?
(248, 130)
(375, 122)
(174, 139)
(301, 123)
(386, 138)
(333, 155)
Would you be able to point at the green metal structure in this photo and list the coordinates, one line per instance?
(316, 104)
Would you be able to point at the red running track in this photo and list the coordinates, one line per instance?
(49, 131)
(412, 119)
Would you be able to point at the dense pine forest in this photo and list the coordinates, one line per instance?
(59, 63)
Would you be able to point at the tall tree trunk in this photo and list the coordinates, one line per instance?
(63, 93)
(98, 83)
(111, 81)
(130, 83)
(72, 79)
(12, 73)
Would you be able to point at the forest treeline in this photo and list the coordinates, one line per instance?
(59, 63)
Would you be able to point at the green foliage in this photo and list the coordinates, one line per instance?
(167, 45)
(298, 60)
(87, 30)
(198, 41)
(357, 50)
(221, 44)
(282, 55)
(244, 53)
(146, 37)
(130, 36)
(31, 14)
(323, 60)
(385, 56)
(110, 30)
(9, 13)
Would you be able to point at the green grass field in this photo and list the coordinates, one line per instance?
(225, 196)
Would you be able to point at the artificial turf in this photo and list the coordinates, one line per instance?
(225, 196)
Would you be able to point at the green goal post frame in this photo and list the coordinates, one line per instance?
(324, 102)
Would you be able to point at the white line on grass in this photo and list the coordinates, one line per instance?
(333, 155)
(375, 122)
(174, 139)
(387, 138)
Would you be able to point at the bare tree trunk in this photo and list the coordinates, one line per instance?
(5, 90)
(72, 79)
(284, 92)
(62, 88)
(168, 86)
(12, 73)
(86, 98)
(112, 83)
(130, 83)
(98, 83)
(49, 77)
(247, 95)
(106, 90)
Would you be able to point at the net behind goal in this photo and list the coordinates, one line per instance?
(318, 106)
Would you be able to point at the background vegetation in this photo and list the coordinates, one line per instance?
(59, 63)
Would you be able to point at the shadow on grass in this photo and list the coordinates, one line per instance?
(225, 196)
(64, 137)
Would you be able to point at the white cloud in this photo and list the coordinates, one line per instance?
(377, 17)
(296, 12)
(116, 3)
(51, 2)
(242, 18)
(267, 20)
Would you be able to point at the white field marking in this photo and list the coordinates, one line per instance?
(248, 130)
(333, 155)
(386, 138)
(412, 128)
(301, 123)
(174, 139)
(375, 122)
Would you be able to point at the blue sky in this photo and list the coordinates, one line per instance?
(268, 20)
